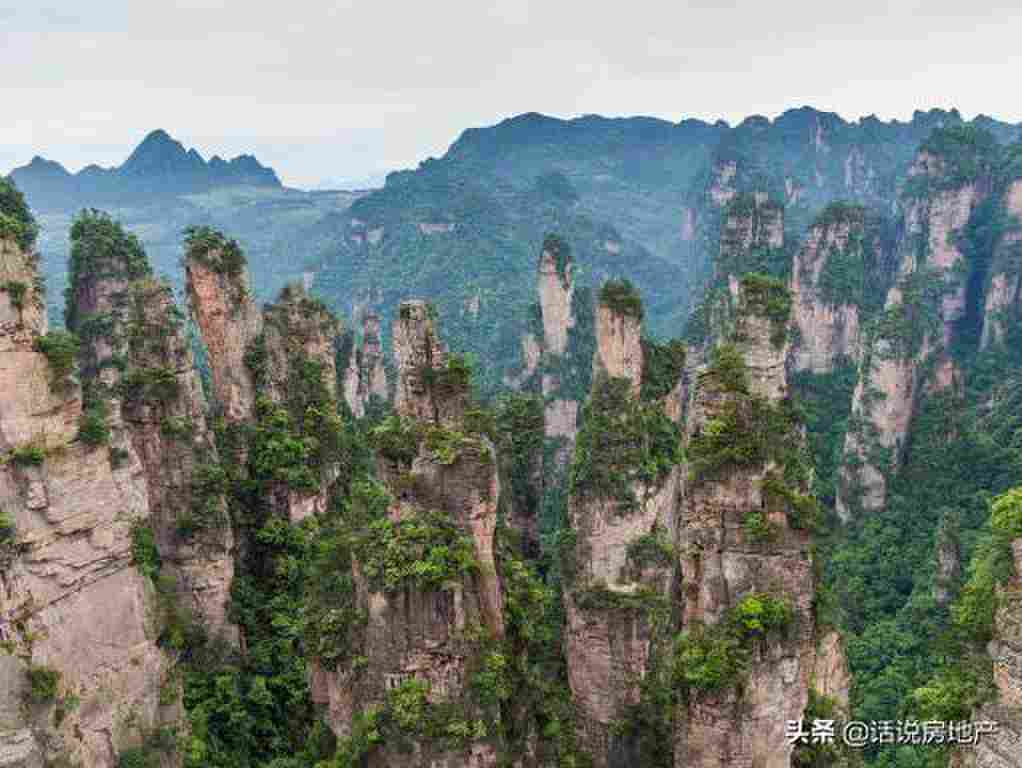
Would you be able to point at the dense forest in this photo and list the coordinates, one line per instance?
(673, 433)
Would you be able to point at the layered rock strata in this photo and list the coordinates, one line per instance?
(74, 611)
(826, 282)
(617, 595)
(929, 282)
(1004, 290)
(365, 377)
(724, 558)
(229, 321)
(421, 639)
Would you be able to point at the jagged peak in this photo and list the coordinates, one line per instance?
(40, 164)
(158, 148)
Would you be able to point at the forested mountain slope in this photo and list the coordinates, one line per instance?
(633, 197)
(336, 549)
(161, 189)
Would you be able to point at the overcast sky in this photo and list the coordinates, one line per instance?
(343, 90)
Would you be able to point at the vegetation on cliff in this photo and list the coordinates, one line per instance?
(16, 220)
(100, 248)
(214, 250)
(296, 592)
(623, 442)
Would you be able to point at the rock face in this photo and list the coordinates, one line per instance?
(751, 234)
(1003, 748)
(28, 406)
(721, 562)
(615, 601)
(751, 221)
(279, 352)
(670, 563)
(1004, 293)
(828, 322)
(929, 280)
(555, 287)
(557, 360)
(172, 440)
(70, 598)
(558, 309)
(419, 352)
(366, 377)
(229, 322)
(430, 635)
(618, 348)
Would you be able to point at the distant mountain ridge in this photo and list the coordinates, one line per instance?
(635, 197)
(159, 167)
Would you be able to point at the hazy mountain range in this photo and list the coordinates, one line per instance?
(636, 197)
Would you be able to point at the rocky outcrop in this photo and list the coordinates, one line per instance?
(751, 237)
(293, 363)
(1004, 292)
(366, 377)
(752, 225)
(29, 407)
(618, 594)
(555, 287)
(937, 219)
(1001, 749)
(73, 608)
(618, 346)
(826, 283)
(298, 329)
(830, 676)
(559, 308)
(419, 354)
(424, 638)
(662, 567)
(929, 283)
(557, 359)
(741, 536)
(173, 442)
(229, 322)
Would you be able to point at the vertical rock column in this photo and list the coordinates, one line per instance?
(828, 323)
(419, 352)
(617, 578)
(556, 288)
(556, 366)
(929, 281)
(424, 639)
(739, 537)
(751, 237)
(1004, 292)
(299, 340)
(365, 376)
(71, 602)
(166, 418)
(229, 322)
